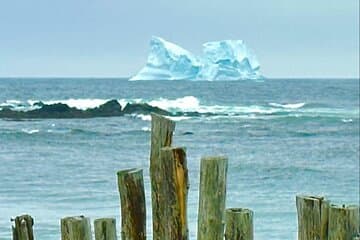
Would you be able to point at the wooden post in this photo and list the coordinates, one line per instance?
(343, 222)
(75, 228)
(161, 136)
(105, 229)
(23, 229)
(239, 224)
(312, 217)
(132, 197)
(213, 172)
(173, 175)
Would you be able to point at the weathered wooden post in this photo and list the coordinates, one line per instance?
(239, 224)
(161, 136)
(23, 228)
(173, 175)
(312, 217)
(133, 210)
(75, 228)
(105, 229)
(343, 222)
(213, 172)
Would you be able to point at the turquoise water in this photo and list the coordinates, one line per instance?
(283, 137)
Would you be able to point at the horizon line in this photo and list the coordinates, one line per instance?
(124, 78)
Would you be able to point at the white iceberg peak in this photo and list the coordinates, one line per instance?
(221, 60)
(174, 49)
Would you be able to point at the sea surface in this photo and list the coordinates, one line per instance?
(283, 137)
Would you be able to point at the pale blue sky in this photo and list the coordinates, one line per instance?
(109, 38)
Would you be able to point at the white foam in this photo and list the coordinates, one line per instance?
(179, 118)
(81, 104)
(346, 120)
(142, 117)
(30, 131)
(184, 104)
(125, 101)
(192, 104)
(289, 105)
(11, 102)
(146, 129)
(15, 105)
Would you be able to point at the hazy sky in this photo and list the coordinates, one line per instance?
(107, 38)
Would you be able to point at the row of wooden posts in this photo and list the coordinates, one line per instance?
(317, 218)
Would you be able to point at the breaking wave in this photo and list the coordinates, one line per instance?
(189, 106)
(288, 106)
(30, 131)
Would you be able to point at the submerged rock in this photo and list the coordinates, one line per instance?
(187, 133)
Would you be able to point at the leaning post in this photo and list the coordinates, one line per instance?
(161, 136)
(133, 210)
(213, 172)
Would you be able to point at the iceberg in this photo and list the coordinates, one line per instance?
(221, 60)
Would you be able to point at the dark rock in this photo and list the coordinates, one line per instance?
(57, 110)
(60, 110)
(110, 108)
(143, 108)
(6, 107)
(39, 104)
(187, 133)
(8, 113)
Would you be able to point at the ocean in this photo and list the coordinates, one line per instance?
(283, 137)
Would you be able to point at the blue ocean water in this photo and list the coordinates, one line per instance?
(282, 136)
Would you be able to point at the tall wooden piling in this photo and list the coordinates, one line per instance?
(312, 217)
(173, 175)
(133, 211)
(105, 229)
(343, 222)
(239, 224)
(161, 136)
(23, 228)
(213, 172)
(75, 228)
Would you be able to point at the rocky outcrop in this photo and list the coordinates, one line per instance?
(143, 108)
(60, 110)
(108, 109)
(111, 108)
